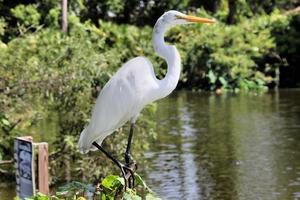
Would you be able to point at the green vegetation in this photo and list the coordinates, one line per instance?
(111, 187)
(238, 57)
(44, 70)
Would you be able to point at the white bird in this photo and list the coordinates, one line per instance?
(133, 87)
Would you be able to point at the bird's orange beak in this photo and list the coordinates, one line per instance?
(194, 19)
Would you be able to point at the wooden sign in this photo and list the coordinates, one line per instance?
(30, 158)
(24, 163)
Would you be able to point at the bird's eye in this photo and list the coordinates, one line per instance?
(178, 17)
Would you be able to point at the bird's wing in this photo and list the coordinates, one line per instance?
(121, 99)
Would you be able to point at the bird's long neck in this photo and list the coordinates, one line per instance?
(170, 54)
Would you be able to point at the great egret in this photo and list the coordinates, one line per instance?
(134, 86)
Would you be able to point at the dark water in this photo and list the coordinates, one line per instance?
(227, 147)
(231, 147)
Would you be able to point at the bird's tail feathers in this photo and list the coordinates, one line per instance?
(83, 142)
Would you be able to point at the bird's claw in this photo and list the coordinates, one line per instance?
(128, 174)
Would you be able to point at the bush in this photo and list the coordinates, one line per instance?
(286, 34)
(229, 57)
(27, 15)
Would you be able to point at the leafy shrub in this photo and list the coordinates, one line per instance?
(28, 15)
(286, 34)
(111, 187)
(229, 57)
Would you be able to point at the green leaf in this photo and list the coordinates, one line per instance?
(5, 122)
(139, 180)
(38, 196)
(121, 180)
(73, 186)
(260, 82)
(111, 182)
(211, 76)
(131, 195)
(223, 81)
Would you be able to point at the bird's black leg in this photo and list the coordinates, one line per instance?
(129, 162)
(128, 158)
(117, 162)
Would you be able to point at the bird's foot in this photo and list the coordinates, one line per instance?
(127, 171)
(130, 163)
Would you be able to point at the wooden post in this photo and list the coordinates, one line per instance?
(64, 13)
(43, 168)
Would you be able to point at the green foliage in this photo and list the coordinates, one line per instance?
(2, 26)
(286, 34)
(52, 18)
(143, 12)
(40, 196)
(229, 57)
(74, 188)
(112, 182)
(111, 187)
(27, 15)
(7, 139)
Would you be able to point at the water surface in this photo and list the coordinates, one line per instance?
(243, 146)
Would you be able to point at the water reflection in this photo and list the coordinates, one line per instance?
(228, 146)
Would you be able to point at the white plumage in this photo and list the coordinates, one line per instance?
(135, 85)
(121, 100)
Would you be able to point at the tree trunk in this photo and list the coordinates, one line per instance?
(64, 13)
(215, 6)
(232, 11)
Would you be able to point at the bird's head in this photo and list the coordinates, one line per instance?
(174, 17)
(168, 20)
